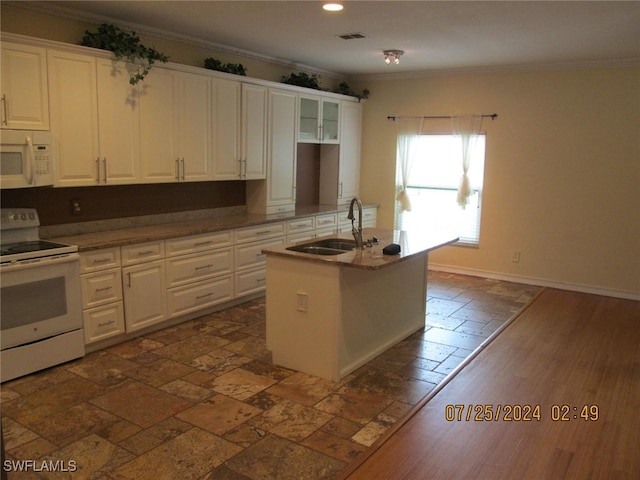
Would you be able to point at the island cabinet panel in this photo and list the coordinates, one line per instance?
(327, 320)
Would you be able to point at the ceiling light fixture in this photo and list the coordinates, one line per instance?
(332, 7)
(392, 56)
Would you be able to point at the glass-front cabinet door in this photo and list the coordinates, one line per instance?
(319, 120)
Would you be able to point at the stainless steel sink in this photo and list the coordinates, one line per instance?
(326, 246)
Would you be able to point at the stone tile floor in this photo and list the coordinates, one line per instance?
(202, 400)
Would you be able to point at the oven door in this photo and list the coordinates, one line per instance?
(40, 298)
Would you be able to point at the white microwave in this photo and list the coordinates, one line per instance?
(26, 159)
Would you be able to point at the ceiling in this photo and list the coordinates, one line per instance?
(435, 35)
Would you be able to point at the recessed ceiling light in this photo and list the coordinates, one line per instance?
(332, 7)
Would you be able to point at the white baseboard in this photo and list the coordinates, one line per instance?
(536, 281)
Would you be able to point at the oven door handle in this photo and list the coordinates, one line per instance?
(39, 262)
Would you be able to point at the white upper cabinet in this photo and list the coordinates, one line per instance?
(226, 100)
(319, 120)
(175, 133)
(239, 130)
(350, 138)
(282, 151)
(74, 118)
(340, 164)
(25, 101)
(254, 131)
(278, 192)
(118, 124)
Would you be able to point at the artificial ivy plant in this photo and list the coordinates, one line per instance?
(302, 79)
(345, 89)
(125, 46)
(215, 64)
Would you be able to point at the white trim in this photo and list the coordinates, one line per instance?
(607, 292)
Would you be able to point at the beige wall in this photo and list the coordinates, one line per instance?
(562, 169)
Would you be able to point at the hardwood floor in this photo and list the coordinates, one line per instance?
(565, 351)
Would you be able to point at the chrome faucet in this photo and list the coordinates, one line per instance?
(357, 232)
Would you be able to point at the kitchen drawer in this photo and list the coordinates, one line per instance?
(300, 237)
(327, 232)
(369, 217)
(99, 288)
(273, 209)
(142, 252)
(326, 221)
(250, 281)
(199, 266)
(99, 259)
(103, 322)
(252, 234)
(191, 298)
(250, 255)
(301, 225)
(198, 243)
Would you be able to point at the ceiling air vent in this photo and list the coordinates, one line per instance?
(352, 36)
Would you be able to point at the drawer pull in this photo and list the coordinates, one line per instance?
(259, 255)
(199, 297)
(260, 280)
(202, 267)
(101, 260)
(103, 289)
(146, 252)
(263, 232)
(200, 244)
(106, 323)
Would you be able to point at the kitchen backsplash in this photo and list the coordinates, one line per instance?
(54, 205)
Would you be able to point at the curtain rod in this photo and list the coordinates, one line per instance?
(493, 116)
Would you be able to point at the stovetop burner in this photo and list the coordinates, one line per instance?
(26, 247)
(20, 240)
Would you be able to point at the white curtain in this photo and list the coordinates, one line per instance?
(408, 129)
(468, 128)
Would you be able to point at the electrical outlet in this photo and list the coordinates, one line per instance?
(301, 301)
(515, 256)
(75, 207)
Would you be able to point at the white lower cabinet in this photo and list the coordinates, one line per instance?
(102, 306)
(145, 296)
(199, 272)
(250, 262)
(199, 295)
(103, 322)
(130, 288)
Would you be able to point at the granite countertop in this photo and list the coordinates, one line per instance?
(372, 258)
(115, 237)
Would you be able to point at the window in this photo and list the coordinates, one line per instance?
(433, 183)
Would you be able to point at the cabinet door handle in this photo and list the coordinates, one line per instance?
(129, 279)
(183, 169)
(98, 169)
(178, 169)
(203, 267)
(5, 119)
(104, 163)
(200, 244)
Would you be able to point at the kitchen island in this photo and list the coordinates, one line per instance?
(329, 314)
